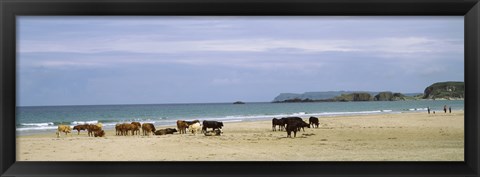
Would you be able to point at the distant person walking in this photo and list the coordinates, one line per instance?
(450, 109)
(445, 108)
(428, 109)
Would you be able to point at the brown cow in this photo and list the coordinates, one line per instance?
(118, 129)
(80, 127)
(148, 128)
(137, 129)
(92, 128)
(99, 133)
(126, 127)
(182, 126)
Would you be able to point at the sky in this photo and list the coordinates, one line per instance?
(95, 60)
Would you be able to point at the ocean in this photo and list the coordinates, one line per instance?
(41, 119)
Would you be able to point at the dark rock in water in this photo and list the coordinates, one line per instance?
(238, 102)
(445, 90)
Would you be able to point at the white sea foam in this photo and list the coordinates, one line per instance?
(84, 122)
(36, 128)
(418, 109)
(37, 124)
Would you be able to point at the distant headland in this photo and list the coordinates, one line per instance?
(436, 91)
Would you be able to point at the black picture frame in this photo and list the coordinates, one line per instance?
(9, 9)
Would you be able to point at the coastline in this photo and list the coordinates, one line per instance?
(376, 137)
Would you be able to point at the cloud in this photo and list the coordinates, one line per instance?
(151, 45)
(226, 81)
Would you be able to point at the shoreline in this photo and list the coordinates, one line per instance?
(109, 126)
(379, 137)
(173, 125)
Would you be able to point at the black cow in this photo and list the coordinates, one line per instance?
(300, 125)
(313, 121)
(211, 124)
(303, 125)
(165, 131)
(294, 124)
(279, 122)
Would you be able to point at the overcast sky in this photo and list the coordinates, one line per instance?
(146, 60)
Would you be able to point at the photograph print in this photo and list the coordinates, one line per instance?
(240, 88)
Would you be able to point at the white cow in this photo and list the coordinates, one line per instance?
(194, 128)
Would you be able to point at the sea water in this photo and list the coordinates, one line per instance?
(40, 119)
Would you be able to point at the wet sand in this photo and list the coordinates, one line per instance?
(386, 137)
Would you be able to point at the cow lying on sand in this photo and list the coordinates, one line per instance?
(192, 122)
(93, 128)
(165, 131)
(302, 124)
(216, 132)
(99, 133)
(63, 128)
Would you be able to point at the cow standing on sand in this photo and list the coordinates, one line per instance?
(313, 121)
(93, 128)
(182, 126)
(279, 122)
(192, 122)
(195, 128)
(80, 127)
(126, 127)
(136, 130)
(63, 128)
(148, 128)
(216, 132)
(211, 124)
(294, 124)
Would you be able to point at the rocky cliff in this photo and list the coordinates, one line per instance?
(359, 96)
(389, 96)
(445, 90)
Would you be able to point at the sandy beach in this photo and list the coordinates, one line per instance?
(385, 137)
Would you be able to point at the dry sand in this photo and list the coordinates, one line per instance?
(387, 137)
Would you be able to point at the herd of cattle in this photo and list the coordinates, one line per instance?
(293, 124)
(134, 128)
(290, 124)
